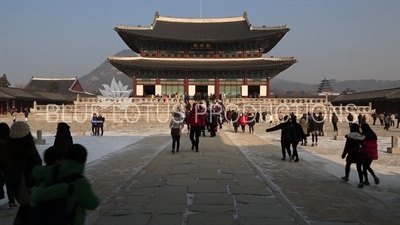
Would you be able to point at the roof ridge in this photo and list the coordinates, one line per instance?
(127, 58)
(54, 78)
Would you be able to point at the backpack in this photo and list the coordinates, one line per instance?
(55, 212)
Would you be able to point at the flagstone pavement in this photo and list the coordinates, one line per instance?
(219, 185)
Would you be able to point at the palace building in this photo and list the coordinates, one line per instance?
(201, 55)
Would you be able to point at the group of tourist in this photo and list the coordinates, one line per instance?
(361, 148)
(54, 193)
(97, 124)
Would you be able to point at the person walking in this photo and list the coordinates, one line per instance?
(351, 153)
(286, 136)
(243, 121)
(382, 118)
(374, 117)
(370, 147)
(335, 120)
(100, 124)
(4, 135)
(388, 121)
(63, 138)
(350, 119)
(304, 127)
(314, 129)
(94, 125)
(235, 121)
(26, 114)
(197, 122)
(297, 136)
(251, 122)
(18, 157)
(176, 125)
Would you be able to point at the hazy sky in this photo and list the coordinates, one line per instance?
(341, 40)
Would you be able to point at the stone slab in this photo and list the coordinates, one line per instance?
(212, 219)
(157, 208)
(213, 199)
(212, 208)
(218, 176)
(207, 189)
(250, 181)
(141, 219)
(172, 199)
(249, 199)
(170, 190)
(238, 190)
(239, 170)
(208, 182)
(166, 219)
(258, 210)
(137, 191)
(267, 221)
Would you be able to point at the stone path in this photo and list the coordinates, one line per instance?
(317, 195)
(218, 185)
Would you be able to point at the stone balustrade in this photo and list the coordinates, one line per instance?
(156, 109)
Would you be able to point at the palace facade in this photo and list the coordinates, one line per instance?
(201, 55)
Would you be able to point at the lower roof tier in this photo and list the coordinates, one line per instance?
(199, 64)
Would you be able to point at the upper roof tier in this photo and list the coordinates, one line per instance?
(225, 29)
(201, 63)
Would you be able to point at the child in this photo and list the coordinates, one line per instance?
(83, 197)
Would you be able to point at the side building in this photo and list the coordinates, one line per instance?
(201, 55)
(386, 100)
(23, 99)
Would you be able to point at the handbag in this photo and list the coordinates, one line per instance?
(24, 192)
(175, 132)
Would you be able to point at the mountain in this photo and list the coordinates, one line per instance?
(105, 72)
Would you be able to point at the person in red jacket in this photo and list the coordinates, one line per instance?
(197, 122)
(243, 121)
(370, 147)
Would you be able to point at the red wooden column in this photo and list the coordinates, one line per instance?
(158, 81)
(268, 86)
(216, 88)
(186, 84)
(134, 87)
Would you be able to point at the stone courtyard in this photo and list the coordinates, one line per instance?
(236, 178)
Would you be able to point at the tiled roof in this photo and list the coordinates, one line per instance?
(201, 30)
(33, 95)
(202, 63)
(369, 95)
(43, 84)
(5, 96)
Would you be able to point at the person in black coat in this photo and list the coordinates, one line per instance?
(18, 157)
(251, 122)
(351, 153)
(214, 118)
(297, 136)
(63, 137)
(286, 136)
(235, 120)
(100, 124)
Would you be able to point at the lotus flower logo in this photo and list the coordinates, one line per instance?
(116, 94)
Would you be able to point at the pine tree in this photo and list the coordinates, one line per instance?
(4, 81)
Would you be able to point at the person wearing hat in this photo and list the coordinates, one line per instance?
(18, 157)
(63, 137)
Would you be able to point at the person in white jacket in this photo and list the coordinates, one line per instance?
(176, 125)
